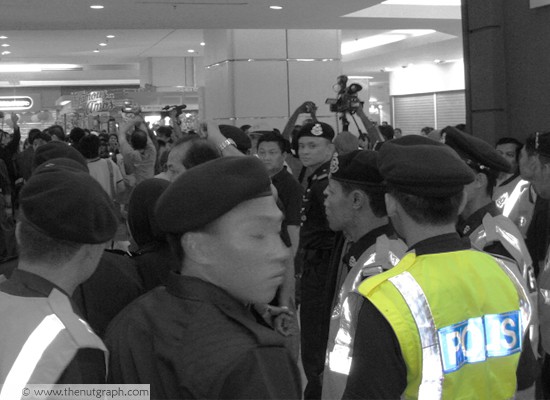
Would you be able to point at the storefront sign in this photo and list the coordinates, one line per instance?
(99, 101)
(12, 103)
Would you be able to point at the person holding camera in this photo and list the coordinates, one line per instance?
(140, 153)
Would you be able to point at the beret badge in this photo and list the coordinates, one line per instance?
(317, 130)
(334, 164)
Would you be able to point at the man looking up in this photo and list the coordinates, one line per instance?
(196, 337)
(414, 314)
(355, 205)
(315, 150)
(45, 341)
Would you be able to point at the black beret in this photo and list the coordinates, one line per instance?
(317, 129)
(57, 149)
(206, 192)
(358, 167)
(476, 152)
(66, 203)
(241, 139)
(421, 166)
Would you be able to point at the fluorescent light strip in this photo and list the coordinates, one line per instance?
(39, 67)
(422, 2)
(382, 39)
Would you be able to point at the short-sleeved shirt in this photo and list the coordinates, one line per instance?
(141, 163)
(315, 233)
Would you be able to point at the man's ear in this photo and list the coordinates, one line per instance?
(195, 246)
(463, 201)
(359, 199)
(391, 205)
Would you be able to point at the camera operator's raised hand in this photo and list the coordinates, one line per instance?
(14, 119)
(308, 107)
(372, 130)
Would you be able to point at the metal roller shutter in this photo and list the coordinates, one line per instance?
(450, 108)
(412, 113)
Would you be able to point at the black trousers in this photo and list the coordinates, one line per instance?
(314, 318)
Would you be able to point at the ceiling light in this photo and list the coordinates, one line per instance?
(276, 7)
(190, 51)
(97, 7)
(110, 36)
(422, 2)
(103, 44)
(64, 102)
(5, 53)
(203, 44)
(96, 51)
(5, 45)
(3, 37)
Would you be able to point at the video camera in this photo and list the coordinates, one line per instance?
(129, 108)
(347, 100)
(165, 112)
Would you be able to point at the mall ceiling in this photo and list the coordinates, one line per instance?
(68, 32)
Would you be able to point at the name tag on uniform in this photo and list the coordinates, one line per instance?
(476, 339)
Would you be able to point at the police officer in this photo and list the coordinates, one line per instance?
(513, 195)
(197, 337)
(489, 231)
(355, 205)
(427, 329)
(534, 165)
(66, 220)
(315, 150)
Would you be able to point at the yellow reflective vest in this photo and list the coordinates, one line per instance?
(459, 323)
(40, 337)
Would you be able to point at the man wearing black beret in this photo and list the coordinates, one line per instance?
(315, 149)
(44, 340)
(445, 322)
(481, 222)
(354, 205)
(197, 337)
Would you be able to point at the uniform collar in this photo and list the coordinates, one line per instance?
(366, 241)
(191, 288)
(321, 170)
(441, 244)
(466, 226)
(34, 284)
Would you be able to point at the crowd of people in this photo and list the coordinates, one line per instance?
(230, 262)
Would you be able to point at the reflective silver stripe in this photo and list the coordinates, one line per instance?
(514, 197)
(431, 385)
(29, 356)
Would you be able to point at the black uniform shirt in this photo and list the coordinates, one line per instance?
(191, 339)
(466, 226)
(88, 365)
(315, 232)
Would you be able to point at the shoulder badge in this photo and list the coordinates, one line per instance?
(352, 262)
(317, 130)
(334, 164)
